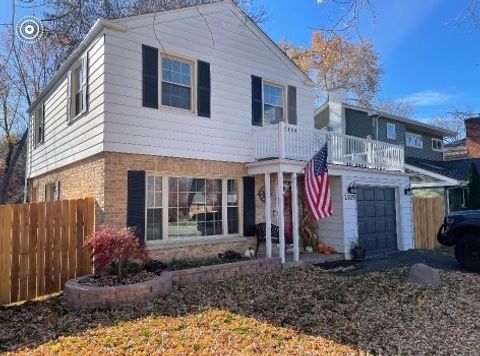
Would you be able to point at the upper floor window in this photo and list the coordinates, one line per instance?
(39, 124)
(437, 145)
(391, 131)
(414, 140)
(177, 83)
(273, 103)
(78, 89)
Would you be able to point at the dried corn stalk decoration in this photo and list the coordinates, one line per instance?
(308, 227)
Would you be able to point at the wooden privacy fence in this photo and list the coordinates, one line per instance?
(428, 215)
(41, 247)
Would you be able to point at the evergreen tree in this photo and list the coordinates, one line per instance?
(473, 201)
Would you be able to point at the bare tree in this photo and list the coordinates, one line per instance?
(400, 108)
(26, 68)
(455, 122)
(344, 15)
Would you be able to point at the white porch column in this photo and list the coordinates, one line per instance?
(268, 216)
(295, 225)
(281, 222)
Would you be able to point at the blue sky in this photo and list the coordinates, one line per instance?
(424, 57)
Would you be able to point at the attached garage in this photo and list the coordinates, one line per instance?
(377, 230)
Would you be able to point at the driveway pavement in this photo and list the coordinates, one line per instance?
(398, 259)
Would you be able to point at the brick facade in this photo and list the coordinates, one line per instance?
(85, 178)
(104, 176)
(117, 166)
(472, 127)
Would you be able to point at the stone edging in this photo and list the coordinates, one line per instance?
(80, 297)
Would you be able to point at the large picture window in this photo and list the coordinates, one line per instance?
(154, 208)
(176, 83)
(274, 103)
(196, 207)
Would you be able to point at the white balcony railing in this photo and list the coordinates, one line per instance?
(300, 143)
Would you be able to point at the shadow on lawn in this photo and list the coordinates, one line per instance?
(346, 310)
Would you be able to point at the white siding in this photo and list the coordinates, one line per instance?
(66, 143)
(376, 179)
(330, 230)
(234, 53)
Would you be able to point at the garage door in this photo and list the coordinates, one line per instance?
(377, 230)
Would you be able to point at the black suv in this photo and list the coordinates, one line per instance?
(462, 229)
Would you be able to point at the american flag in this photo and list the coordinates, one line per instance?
(317, 185)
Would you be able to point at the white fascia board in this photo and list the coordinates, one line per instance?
(447, 180)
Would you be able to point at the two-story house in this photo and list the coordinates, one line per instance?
(430, 174)
(189, 125)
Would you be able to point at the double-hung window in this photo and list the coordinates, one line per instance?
(437, 144)
(273, 103)
(78, 91)
(39, 124)
(414, 140)
(232, 206)
(154, 208)
(391, 131)
(177, 83)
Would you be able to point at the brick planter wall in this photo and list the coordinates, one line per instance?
(80, 297)
(225, 271)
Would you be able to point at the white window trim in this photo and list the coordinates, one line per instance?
(166, 239)
(193, 84)
(38, 141)
(441, 145)
(391, 124)
(285, 100)
(73, 83)
(413, 135)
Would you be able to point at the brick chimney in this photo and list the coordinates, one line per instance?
(472, 128)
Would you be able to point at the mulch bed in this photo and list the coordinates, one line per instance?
(108, 280)
(297, 311)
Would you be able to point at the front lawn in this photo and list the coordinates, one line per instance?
(298, 311)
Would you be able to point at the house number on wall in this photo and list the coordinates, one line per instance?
(350, 196)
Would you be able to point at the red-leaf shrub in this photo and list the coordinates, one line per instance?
(114, 247)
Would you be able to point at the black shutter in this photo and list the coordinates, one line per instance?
(257, 102)
(136, 202)
(203, 89)
(292, 105)
(149, 76)
(248, 206)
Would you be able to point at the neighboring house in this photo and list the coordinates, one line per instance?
(424, 152)
(450, 177)
(176, 122)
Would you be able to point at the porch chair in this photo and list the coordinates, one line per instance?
(261, 233)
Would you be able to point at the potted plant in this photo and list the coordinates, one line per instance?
(358, 251)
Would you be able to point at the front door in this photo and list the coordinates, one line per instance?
(377, 230)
